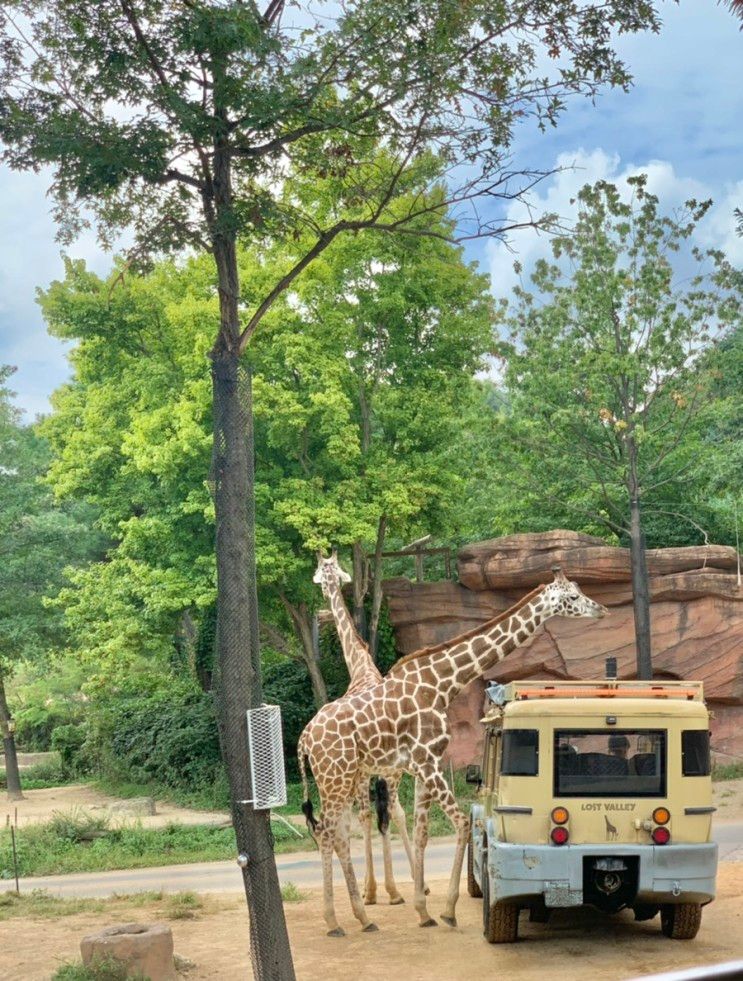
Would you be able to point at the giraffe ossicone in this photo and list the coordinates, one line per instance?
(401, 723)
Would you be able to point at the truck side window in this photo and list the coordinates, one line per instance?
(695, 759)
(520, 753)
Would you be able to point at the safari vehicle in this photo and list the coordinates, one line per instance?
(593, 793)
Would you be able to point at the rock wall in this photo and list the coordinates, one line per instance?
(696, 621)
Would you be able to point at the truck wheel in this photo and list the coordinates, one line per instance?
(473, 887)
(500, 921)
(681, 921)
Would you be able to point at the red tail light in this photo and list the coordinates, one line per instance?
(559, 835)
(661, 836)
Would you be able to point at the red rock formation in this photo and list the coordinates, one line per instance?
(696, 620)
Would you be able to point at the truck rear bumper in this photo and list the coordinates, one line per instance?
(666, 874)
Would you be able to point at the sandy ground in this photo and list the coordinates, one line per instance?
(39, 805)
(728, 798)
(578, 944)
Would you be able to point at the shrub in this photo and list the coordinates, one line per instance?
(68, 741)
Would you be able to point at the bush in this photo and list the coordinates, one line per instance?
(108, 969)
(68, 741)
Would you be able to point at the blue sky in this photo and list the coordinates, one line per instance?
(682, 123)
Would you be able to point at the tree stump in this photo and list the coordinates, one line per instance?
(144, 948)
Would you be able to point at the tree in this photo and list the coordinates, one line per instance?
(606, 366)
(175, 120)
(38, 539)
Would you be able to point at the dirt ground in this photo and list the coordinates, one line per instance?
(39, 805)
(577, 944)
(728, 798)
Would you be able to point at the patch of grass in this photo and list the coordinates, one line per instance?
(728, 771)
(101, 970)
(291, 894)
(39, 903)
(63, 845)
(214, 797)
(43, 776)
(182, 905)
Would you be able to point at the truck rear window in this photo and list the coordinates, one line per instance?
(695, 761)
(520, 753)
(610, 763)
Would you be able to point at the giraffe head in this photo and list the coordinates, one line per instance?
(329, 573)
(564, 599)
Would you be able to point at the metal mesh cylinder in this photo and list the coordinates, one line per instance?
(266, 751)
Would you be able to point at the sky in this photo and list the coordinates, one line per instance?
(681, 123)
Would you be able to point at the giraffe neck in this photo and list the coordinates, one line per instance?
(361, 668)
(451, 668)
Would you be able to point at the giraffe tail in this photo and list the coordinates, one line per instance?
(382, 800)
(307, 809)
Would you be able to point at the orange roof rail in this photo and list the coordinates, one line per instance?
(659, 692)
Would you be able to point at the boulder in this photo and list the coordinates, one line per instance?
(140, 806)
(525, 561)
(145, 949)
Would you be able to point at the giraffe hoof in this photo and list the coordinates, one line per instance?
(372, 901)
(426, 891)
(338, 932)
(370, 928)
(397, 901)
(429, 922)
(450, 920)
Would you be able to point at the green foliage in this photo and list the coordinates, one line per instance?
(727, 771)
(102, 969)
(68, 740)
(54, 849)
(291, 894)
(42, 775)
(611, 370)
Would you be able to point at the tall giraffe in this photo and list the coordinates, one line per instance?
(401, 724)
(363, 673)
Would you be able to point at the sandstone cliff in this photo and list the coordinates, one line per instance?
(696, 619)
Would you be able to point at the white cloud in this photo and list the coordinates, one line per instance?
(582, 167)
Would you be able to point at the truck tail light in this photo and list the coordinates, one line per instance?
(661, 815)
(560, 815)
(559, 835)
(661, 836)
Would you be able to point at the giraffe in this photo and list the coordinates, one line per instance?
(363, 673)
(401, 723)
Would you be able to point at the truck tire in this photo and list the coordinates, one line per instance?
(473, 887)
(681, 921)
(500, 921)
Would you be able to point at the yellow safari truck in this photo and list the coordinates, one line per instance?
(595, 793)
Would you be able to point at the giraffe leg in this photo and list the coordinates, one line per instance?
(327, 838)
(401, 823)
(389, 878)
(343, 851)
(420, 837)
(445, 799)
(365, 818)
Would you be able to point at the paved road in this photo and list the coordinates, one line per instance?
(301, 868)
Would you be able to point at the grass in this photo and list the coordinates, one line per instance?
(291, 894)
(39, 904)
(43, 776)
(102, 970)
(78, 843)
(728, 771)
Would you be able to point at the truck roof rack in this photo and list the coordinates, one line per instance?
(525, 690)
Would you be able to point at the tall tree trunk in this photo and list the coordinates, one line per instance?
(237, 643)
(359, 589)
(304, 630)
(638, 562)
(12, 773)
(376, 583)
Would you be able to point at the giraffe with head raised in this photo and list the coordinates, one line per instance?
(401, 724)
(363, 673)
